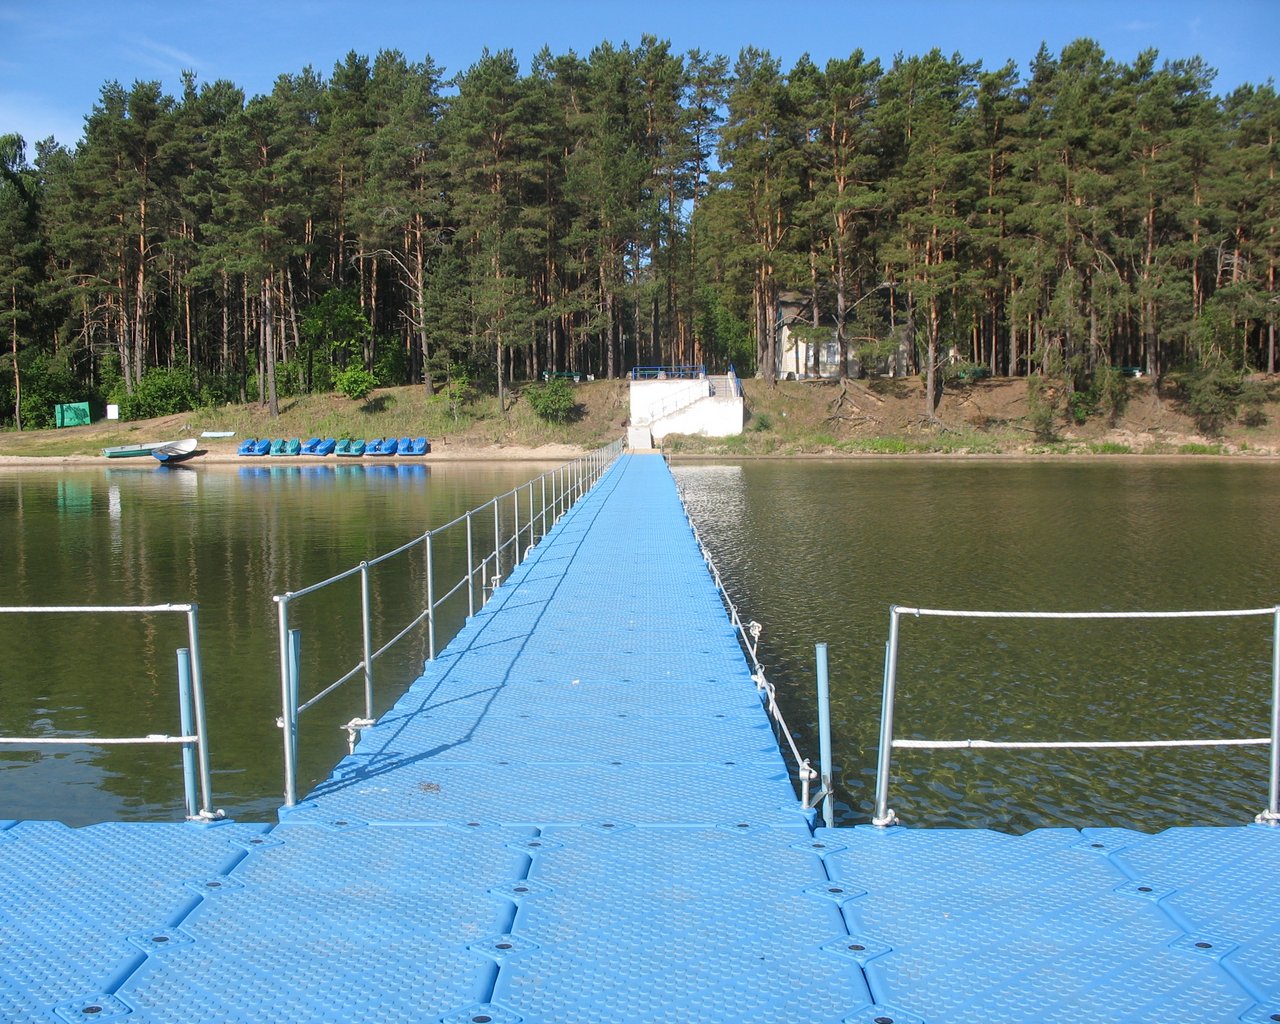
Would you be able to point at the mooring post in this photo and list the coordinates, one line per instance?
(824, 736)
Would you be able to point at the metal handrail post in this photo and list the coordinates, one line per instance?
(471, 572)
(515, 529)
(288, 716)
(883, 815)
(295, 677)
(1272, 813)
(197, 696)
(824, 736)
(532, 515)
(497, 543)
(366, 615)
(543, 480)
(185, 724)
(431, 605)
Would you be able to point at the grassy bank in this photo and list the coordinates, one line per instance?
(988, 417)
(397, 412)
(794, 418)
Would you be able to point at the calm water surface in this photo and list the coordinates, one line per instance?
(226, 538)
(819, 551)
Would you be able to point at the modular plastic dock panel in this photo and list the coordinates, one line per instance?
(579, 814)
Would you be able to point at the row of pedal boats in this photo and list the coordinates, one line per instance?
(334, 446)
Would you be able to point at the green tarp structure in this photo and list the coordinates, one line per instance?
(73, 414)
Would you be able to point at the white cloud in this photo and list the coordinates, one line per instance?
(175, 55)
(166, 61)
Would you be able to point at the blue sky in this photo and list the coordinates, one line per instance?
(55, 55)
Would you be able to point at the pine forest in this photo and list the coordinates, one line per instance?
(391, 224)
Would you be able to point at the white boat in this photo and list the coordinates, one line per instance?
(175, 451)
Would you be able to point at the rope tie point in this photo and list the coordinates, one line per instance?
(353, 728)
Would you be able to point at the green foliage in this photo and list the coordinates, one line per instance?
(161, 392)
(1110, 391)
(637, 204)
(1216, 396)
(881, 446)
(46, 383)
(335, 325)
(1043, 404)
(457, 391)
(355, 382)
(1109, 448)
(552, 400)
(290, 379)
(761, 422)
(392, 364)
(1081, 405)
(726, 337)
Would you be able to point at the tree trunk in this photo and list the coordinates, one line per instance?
(269, 343)
(931, 362)
(17, 374)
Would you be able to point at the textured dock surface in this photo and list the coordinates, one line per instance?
(579, 814)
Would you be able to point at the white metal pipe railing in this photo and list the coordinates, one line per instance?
(193, 730)
(884, 814)
(584, 470)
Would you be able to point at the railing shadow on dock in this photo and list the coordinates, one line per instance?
(520, 518)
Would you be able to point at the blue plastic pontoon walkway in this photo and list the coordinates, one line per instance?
(579, 814)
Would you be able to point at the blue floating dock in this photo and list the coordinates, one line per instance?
(579, 814)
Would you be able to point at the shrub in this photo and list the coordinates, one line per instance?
(392, 363)
(1042, 408)
(45, 383)
(457, 391)
(355, 382)
(1216, 396)
(1110, 391)
(162, 391)
(553, 401)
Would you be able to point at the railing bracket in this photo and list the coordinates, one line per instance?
(353, 728)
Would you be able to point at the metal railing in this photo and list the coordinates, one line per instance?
(194, 735)
(686, 398)
(749, 637)
(884, 815)
(544, 500)
(668, 372)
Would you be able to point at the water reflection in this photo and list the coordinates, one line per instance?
(228, 538)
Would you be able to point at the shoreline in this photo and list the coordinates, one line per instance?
(558, 453)
(228, 457)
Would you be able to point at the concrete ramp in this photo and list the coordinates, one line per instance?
(708, 406)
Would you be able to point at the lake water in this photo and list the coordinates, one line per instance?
(816, 551)
(227, 538)
(819, 551)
